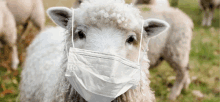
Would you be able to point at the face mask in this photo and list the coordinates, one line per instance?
(101, 77)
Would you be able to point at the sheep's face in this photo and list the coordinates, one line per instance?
(113, 28)
(105, 39)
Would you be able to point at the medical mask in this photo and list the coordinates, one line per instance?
(101, 77)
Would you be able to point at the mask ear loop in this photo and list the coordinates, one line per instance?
(72, 32)
(66, 48)
(148, 40)
(145, 50)
(72, 26)
(142, 28)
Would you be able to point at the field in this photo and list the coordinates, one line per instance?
(204, 61)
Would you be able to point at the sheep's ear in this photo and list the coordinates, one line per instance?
(59, 15)
(155, 27)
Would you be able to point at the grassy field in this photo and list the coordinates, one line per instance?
(204, 62)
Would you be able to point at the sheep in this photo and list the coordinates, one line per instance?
(152, 2)
(208, 7)
(8, 32)
(27, 10)
(105, 26)
(174, 47)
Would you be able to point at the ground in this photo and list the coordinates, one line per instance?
(204, 61)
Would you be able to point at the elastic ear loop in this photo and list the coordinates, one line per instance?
(142, 27)
(145, 50)
(72, 32)
(72, 26)
(66, 48)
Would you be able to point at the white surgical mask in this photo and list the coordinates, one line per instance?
(101, 77)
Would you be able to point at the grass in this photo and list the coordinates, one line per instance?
(204, 62)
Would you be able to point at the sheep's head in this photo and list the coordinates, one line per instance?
(107, 26)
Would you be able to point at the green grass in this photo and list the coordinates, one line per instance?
(9, 82)
(204, 62)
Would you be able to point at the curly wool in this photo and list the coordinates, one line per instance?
(109, 13)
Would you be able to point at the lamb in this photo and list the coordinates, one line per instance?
(8, 31)
(27, 10)
(174, 46)
(208, 7)
(105, 26)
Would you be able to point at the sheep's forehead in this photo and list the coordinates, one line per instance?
(123, 16)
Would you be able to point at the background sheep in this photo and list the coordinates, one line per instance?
(44, 60)
(208, 7)
(8, 32)
(23, 12)
(27, 10)
(174, 46)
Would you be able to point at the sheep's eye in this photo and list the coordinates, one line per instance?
(130, 40)
(81, 35)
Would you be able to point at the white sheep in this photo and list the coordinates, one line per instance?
(105, 26)
(27, 10)
(208, 7)
(8, 31)
(174, 46)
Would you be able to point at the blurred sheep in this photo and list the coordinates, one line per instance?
(27, 10)
(173, 46)
(208, 7)
(8, 31)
